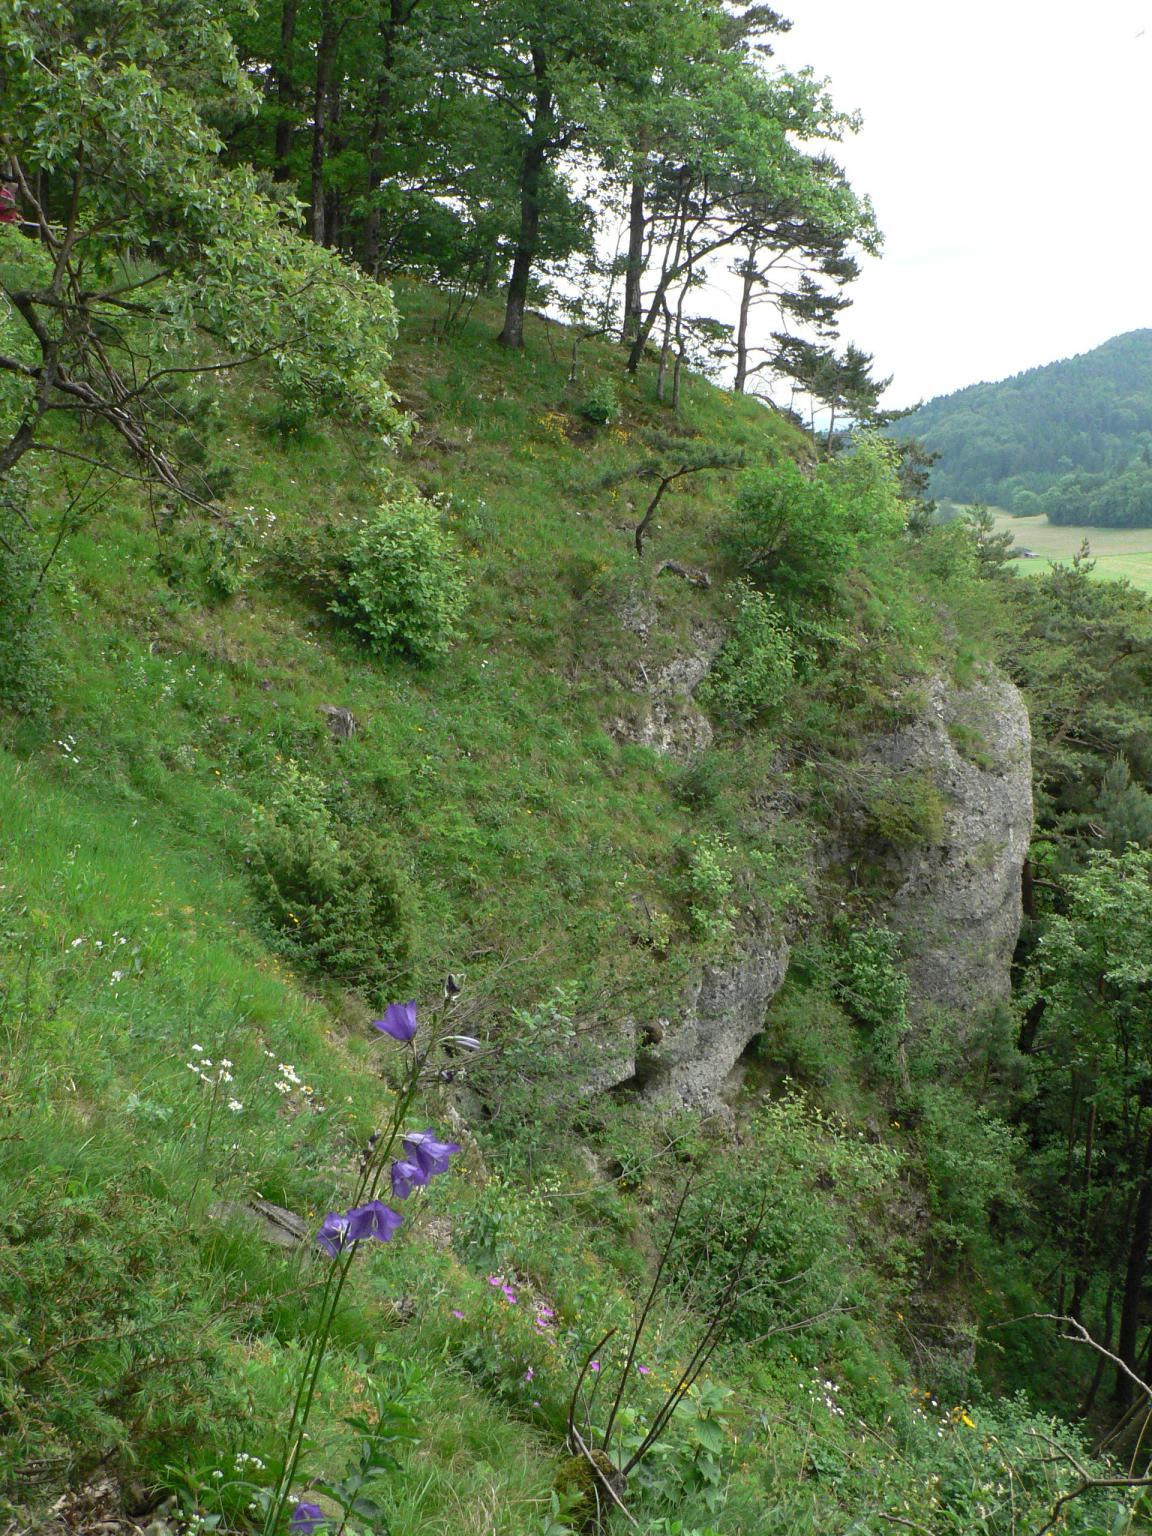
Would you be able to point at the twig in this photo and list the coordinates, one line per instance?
(639, 1329)
(600, 1478)
(1081, 1336)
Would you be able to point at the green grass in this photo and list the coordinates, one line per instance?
(1119, 553)
(141, 1327)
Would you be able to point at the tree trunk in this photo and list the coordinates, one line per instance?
(662, 371)
(285, 94)
(1134, 1280)
(742, 322)
(333, 201)
(1101, 1362)
(674, 266)
(531, 174)
(392, 18)
(1083, 1275)
(634, 271)
(325, 58)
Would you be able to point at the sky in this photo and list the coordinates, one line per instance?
(1007, 147)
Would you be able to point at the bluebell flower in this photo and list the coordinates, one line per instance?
(432, 1155)
(373, 1219)
(333, 1233)
(399, 1021)
(306, 1518)
(405, 1177)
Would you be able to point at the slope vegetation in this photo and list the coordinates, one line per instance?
(212, 883)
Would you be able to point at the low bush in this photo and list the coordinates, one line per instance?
(754, 670)
(709, 886)
(767, 1213)
(26, 674)
(403, 588)
(329, 890)
(907, 811)
(600, 406)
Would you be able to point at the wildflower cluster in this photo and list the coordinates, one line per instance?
(215, 1075)
(341, 1233)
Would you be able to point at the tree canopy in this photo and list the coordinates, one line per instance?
(1072, 439)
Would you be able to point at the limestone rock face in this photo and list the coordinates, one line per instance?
(668, 719)
(958, 902)
(723, 1012)
(672, 724)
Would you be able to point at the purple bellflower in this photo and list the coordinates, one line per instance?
(432, 1155)
(333, 1233)
(399, 1021)
(374, 1219)
(405, 1177)
(306, 1518)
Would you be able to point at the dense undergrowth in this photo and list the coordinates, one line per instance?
(207, 892)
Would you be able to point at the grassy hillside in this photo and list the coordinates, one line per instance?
(175, 1050)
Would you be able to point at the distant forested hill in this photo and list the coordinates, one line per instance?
(1073, 439)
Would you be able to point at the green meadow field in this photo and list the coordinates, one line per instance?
(1118, 552)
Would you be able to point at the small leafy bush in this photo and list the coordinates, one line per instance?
(600, 405)
(870, 978)
(771, 1199)
(907, 811)
(754, 670)
(971, 1159)
(329, 890)
(26, 675)
(710, 882)
(402, 583)
(801, 533)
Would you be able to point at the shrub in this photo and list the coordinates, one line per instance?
(754, 670)
(710, 881)
(970, 1158)
(908, 811)
(25, 673)
(801, 533)
(329, 890)
(403, 588)
(870, 977)
(770, 1197)
(600, 405)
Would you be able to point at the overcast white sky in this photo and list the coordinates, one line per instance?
(1007, 146)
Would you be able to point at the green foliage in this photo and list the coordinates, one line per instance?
(992, 549)
(540, 1074)
(1079, 649)
(1123, 810)
(405, 590)
(799, 532)
(108, 1335)
(1069, 439)
(26, 673)
(906, 810)
(600, 405)
(330, 890)
(709, 884)
(753, 673)
(767, 1199)
(691, 1464)
(972, 1160)
(870, 979)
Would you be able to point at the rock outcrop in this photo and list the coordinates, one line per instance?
(667, 719)
(723, 1012)
(957, 903)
